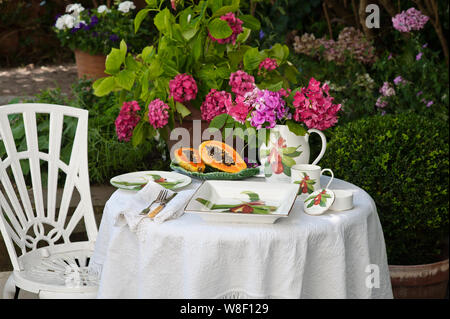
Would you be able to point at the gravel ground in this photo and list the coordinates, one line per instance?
(30, 80)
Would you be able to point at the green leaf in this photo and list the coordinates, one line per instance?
(140, 16)
(114, 60)
(289, 150)
(288, 161)
(219, 29)
(125, 79)
(132, 64)
(152, 3)
(138, 134)
(275, 86)
(293, 154)
(147, 54)
(243, 36)
(225, 9)
(252, 59)
(197, 47)
(105, 86)
(251, 195)
(286, 169)
(163, 21)
(182, 109)
(219, 121)
(250, 22)
(189, 33)
(296, 128)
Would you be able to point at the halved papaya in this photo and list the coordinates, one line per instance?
(221, 156)
(189, 159)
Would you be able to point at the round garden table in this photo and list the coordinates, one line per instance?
(334, 255)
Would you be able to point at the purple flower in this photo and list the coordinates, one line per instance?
(383, 113)
(399, 80)
(268, 107)
(425, 45)
(419, 93)
(94, 20)
(430, 103)
(390, 56)
(113, 38)
(261, 34)
(419, 56)
(387, 89)
(410, 20)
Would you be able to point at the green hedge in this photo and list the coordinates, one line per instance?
(402, 162)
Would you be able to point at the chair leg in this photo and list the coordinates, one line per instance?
(10, 290)
(16, 295)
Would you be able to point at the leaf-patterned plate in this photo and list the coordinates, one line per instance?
(137, 180)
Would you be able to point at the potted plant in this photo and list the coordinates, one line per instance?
(92, 33)
(200, 49)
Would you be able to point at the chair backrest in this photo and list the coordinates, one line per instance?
(28, 215)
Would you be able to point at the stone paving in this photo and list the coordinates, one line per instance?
(30, 80)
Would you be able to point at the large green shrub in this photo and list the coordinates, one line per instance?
(402, 162)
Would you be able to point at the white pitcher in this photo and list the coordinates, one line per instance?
(285, 150)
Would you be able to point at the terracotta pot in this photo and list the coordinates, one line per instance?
(429, 281)
(90, 66)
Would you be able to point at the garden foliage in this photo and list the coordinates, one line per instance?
(402, 161)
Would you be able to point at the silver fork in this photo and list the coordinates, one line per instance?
(157, 200)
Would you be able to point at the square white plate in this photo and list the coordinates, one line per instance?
(242, 201)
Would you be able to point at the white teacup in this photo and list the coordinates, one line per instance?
(308, 176)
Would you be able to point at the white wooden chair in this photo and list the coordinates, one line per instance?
(45, 259)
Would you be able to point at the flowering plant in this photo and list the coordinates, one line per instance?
(302, 108)
(199, 61)
(98, 30)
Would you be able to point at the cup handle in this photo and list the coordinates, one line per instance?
(332, 175)
(324, 144)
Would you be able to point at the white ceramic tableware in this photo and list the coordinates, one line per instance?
(242, 201)
(286, 149)
(343, 200)
(308, 176)
(137, 180)
(319, 201)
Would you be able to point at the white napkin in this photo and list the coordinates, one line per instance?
(173, 209)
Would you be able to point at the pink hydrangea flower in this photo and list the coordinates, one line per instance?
(284, 93)
(314, 106)
(268, 64)
(239, 110)
(410, 20)
(241, 82)
(235, 25)
(183, 88)
(158, 116)
(216, 103)
(127, 120)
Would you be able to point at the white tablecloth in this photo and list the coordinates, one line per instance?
(302, 256)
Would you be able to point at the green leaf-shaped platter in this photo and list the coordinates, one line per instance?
(245, 173)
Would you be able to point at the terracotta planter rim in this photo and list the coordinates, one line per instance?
(86, 52)
(420, 266)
